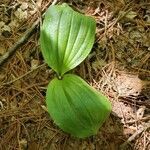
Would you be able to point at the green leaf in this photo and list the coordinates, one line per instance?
(66, 37)
(75, 106)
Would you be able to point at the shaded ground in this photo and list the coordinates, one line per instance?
(119, 66)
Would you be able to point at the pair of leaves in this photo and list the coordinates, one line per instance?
(66, 39)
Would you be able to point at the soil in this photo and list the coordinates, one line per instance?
(118, 66)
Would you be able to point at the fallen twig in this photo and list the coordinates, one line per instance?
(24, 75)
(22, 40)
(131, 138)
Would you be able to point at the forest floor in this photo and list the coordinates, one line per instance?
(119, 66)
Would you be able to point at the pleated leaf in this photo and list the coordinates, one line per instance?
(66, 37)
(76, 107)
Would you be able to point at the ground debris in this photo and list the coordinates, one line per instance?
(119, 66)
